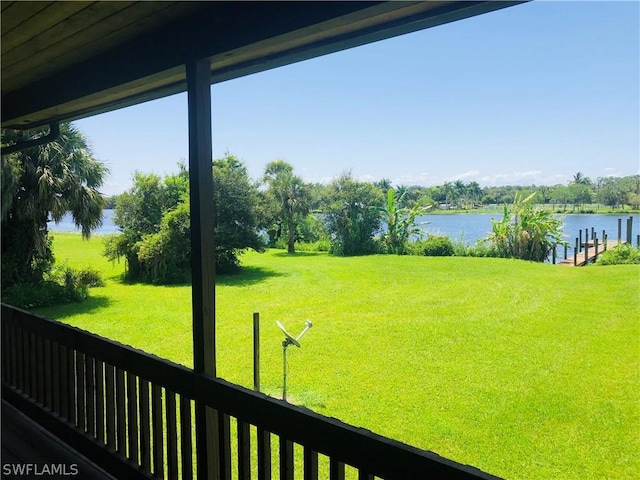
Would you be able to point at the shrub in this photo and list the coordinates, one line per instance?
(619, 255)
(433, 246)
(61, 285)
(480, 249)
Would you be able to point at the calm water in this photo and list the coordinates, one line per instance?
(457, 226)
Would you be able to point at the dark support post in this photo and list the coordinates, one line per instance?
(604, 239)
(202, 255)
(566, 247)
(555, 253)
(630, 230)
(619, 230)
(638, 241)
(586, 253)
(256, 351)
(579, 247)
(593, 233)
(595, 244)
(575, 254)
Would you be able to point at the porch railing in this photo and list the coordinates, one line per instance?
(132, 414)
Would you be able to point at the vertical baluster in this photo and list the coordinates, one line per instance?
(33, 365)
(100, 396)
(89, 369)
(46, 363)
(224, 434)
(70, 394)
(336, 469)
(244, 451)
(17, 346)
(64, 381)
(110, 402)
(264, 455)
(145, 426)
(5, 350)
(172, 434)
(80, 391)
(121, 414)
(13, 374)
(55, 377)
(26, 346)
(132, 410)
(286, 459)
(310, 464)
(156, 414)
(40, 369)
(186, 449)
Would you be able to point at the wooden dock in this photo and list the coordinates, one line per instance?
(582, 259)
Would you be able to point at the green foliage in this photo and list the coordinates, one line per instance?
(290, 197)
(525, 232)
(40, 184)
(155, 222)
(349, 218)
(61, 285)
(480, 249)
(620, 255)
(432, 246)
(400, 221)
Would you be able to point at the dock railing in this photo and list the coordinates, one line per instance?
(132, 414)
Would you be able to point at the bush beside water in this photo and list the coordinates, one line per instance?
(620, 255)
(62, 285)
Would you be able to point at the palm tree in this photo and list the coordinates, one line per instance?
(580, 179)
(292, 196)
(41, 184)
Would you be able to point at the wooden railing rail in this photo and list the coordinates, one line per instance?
(140, 408)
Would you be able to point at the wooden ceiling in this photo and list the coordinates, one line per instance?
(63, 60)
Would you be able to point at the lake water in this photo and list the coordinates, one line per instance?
(457, 226)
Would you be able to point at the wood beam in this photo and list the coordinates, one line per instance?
(202, 255)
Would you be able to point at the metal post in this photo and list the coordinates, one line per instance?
(256, 351)
(285, 344)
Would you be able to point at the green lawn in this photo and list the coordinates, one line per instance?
(523, 370)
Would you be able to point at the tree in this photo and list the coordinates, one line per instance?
(609, 192)
(41, 184)
(292, 197)
(349, 218)
(155, 221)
(235, 199)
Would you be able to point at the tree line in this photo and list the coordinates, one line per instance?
(344, 217)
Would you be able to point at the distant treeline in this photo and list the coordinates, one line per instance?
(580, 192)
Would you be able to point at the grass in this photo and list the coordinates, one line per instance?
(523, 370)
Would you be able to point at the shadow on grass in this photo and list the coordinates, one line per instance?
(299, 254)
(91, 304)
(247, 276)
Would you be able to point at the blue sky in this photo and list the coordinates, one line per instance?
(528, 94)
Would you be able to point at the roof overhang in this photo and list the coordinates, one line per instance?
(67, 60)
